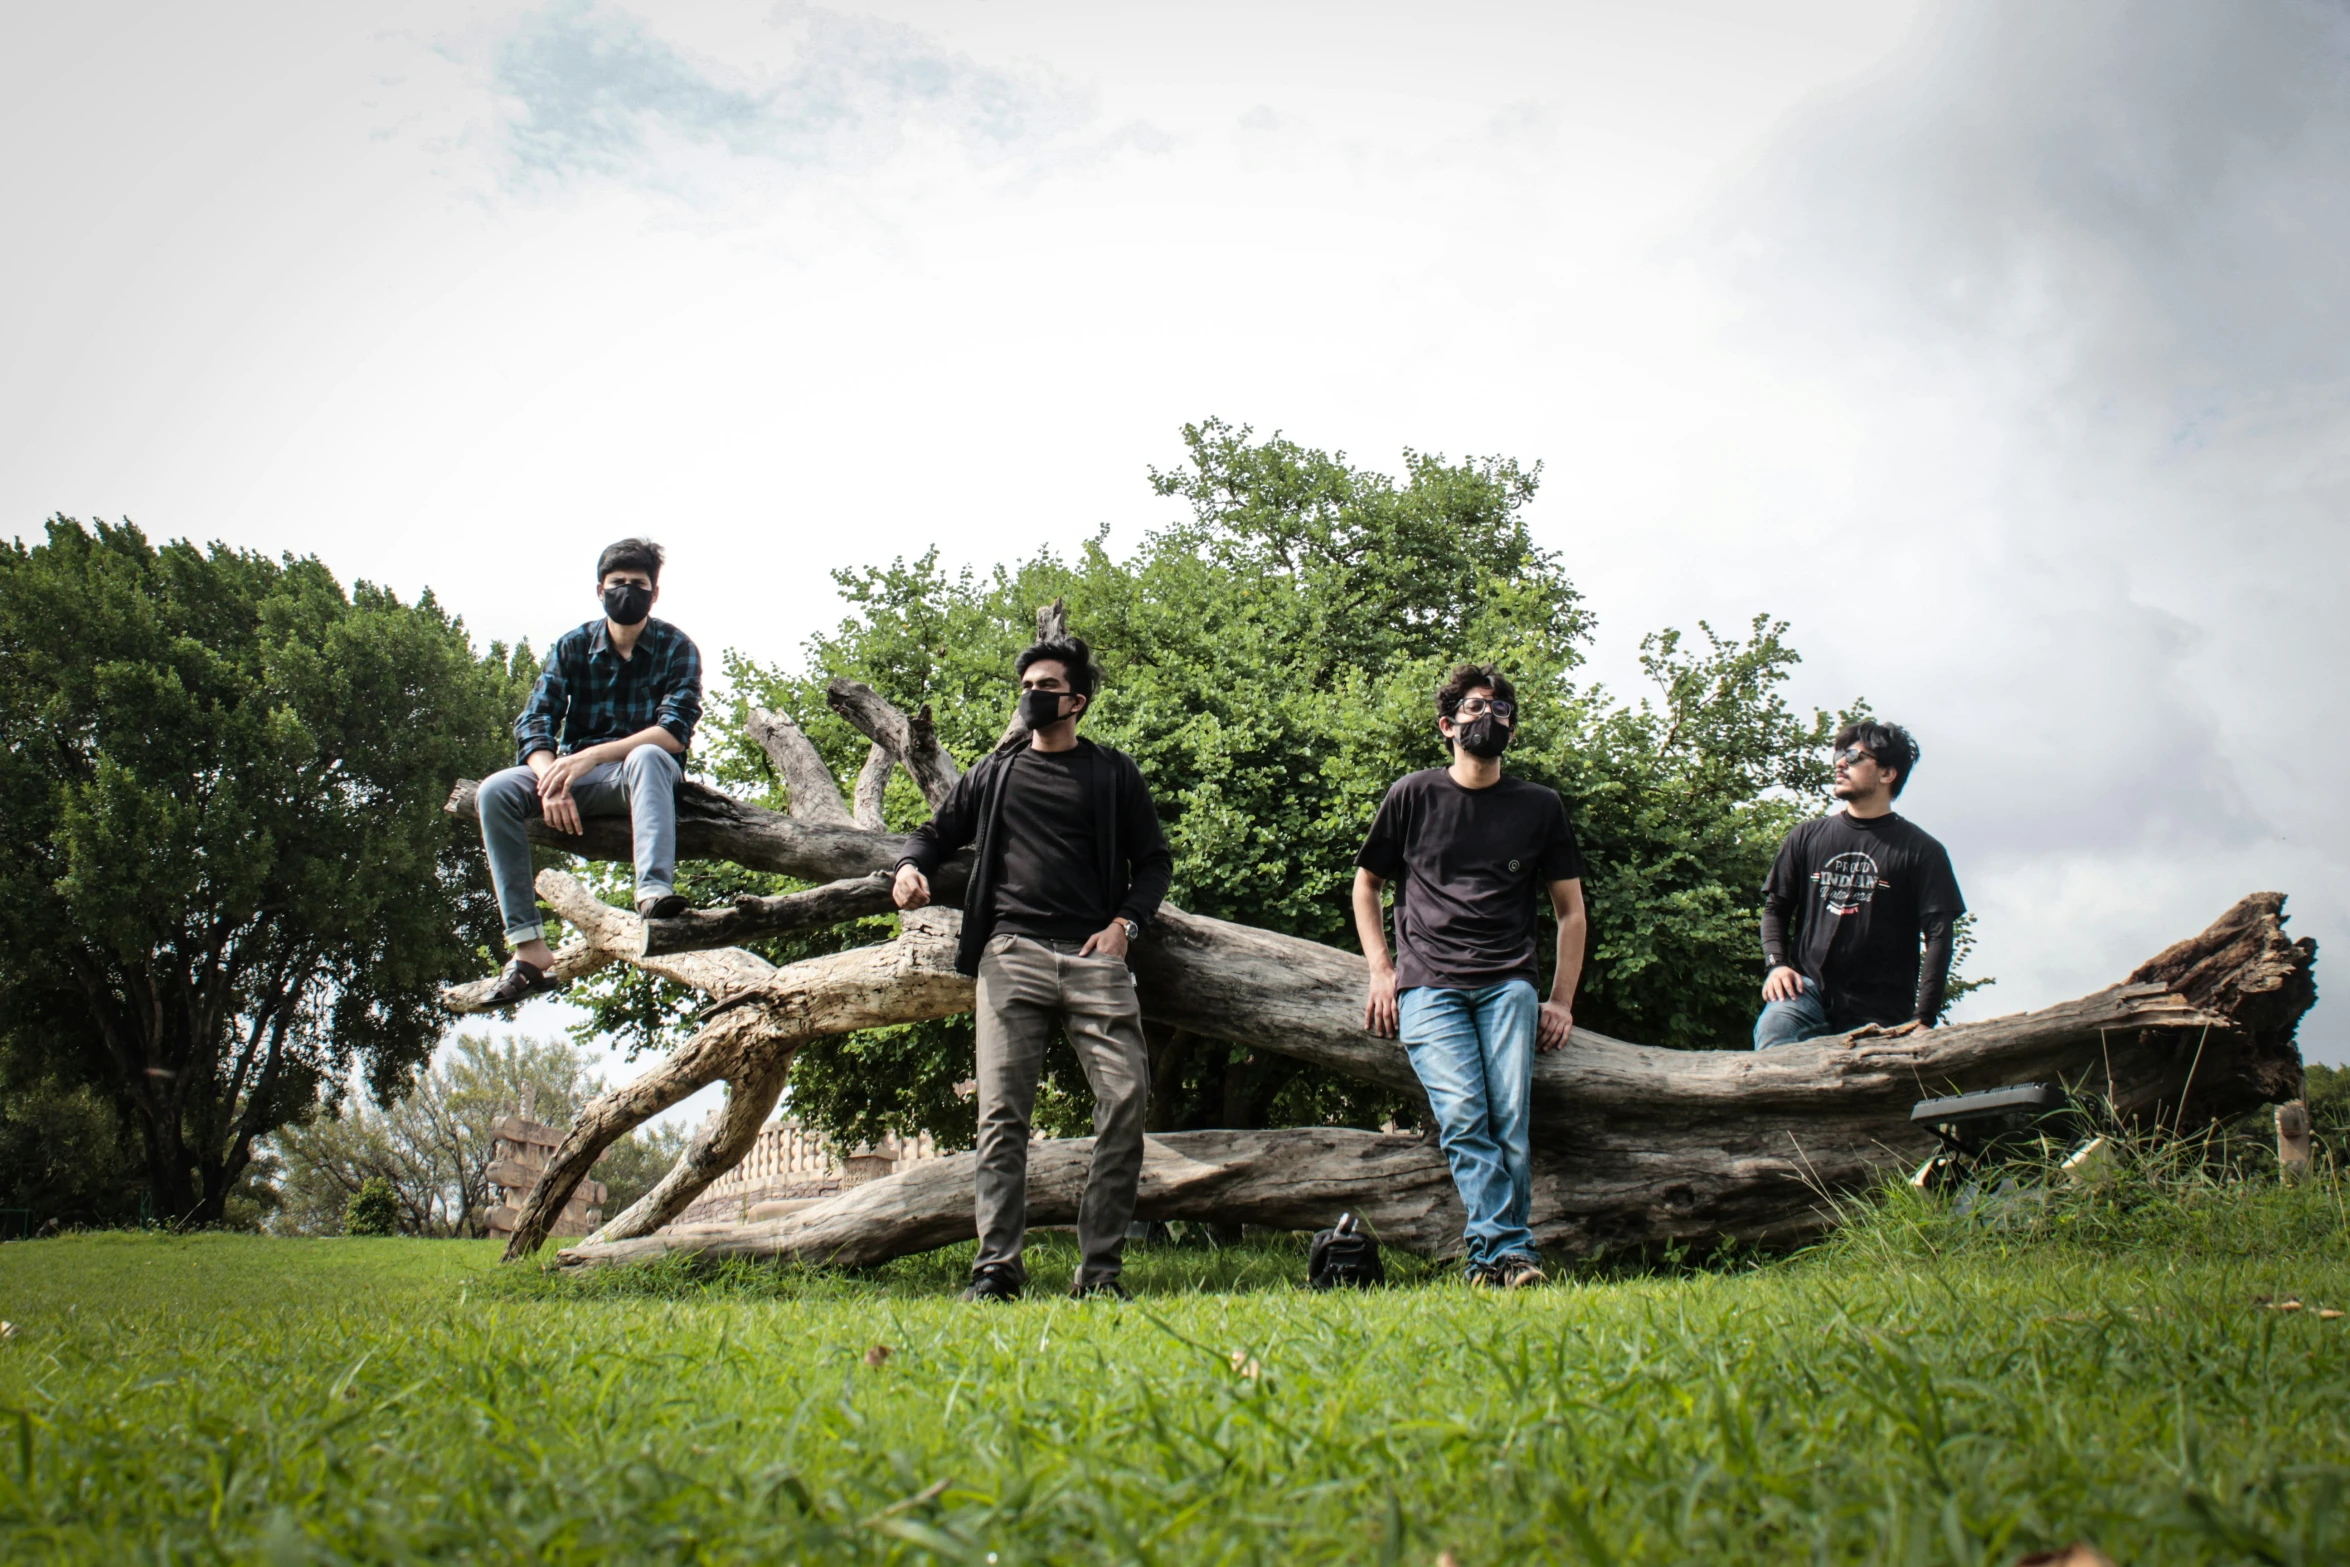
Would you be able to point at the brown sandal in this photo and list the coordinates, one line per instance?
(520, 982)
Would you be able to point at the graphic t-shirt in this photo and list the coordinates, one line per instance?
(1051, 885)
(1467, 865)
(1855, 894)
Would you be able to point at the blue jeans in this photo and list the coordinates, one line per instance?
(642, 788)
(1801, 1016)
(1474, 1051)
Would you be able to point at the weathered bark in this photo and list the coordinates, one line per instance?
(718, 1148)
(808, 784)
(722, 971)
(754, 919)
(714, 826)
(1297, 1178)
(911, 742)
(901, 981)
(872, 784)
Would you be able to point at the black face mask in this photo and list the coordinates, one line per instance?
(1486, 737)
(627, 604)
(1041, 709)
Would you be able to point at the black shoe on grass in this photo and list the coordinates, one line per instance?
(1515, 1273)
(665, 907)
(994, 1281)
(1100, 1289)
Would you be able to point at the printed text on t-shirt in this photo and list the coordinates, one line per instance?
(1848, 881)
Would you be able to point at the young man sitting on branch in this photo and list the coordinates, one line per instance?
(613, 710)
(1070, 867)
(1848, 901)
(1468, 849)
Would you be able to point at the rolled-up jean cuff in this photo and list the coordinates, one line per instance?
(522, 933)
(653, 889)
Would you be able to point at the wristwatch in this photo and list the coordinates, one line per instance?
(1133, 931)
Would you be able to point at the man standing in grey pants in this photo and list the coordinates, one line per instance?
(1070, 866)
(613, 710)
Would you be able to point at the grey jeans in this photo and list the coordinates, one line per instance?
(1025, 986)
(642, 788)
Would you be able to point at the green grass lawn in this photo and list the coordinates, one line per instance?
(1915, 1392)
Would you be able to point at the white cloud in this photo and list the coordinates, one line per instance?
(593, 92)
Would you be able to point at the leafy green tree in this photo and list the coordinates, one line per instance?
(1271, 658)
(373, 1209)
(431, 1146)
(227, 879)
(63, 1156)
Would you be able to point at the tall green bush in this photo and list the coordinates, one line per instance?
(374, 1209)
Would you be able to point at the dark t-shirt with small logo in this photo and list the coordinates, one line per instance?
(1855, 894)
(1467, 865)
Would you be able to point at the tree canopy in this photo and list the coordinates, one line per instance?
(227, 880)
(1270, 661)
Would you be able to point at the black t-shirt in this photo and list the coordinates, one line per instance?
(1050, 886)
(1855, 894)
(1467, 864)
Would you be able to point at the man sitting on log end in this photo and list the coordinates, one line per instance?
(1468, 849)
(1848, 901)
(613, 710)
(1071, 865)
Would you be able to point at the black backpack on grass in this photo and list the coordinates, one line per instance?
(1344, 1255)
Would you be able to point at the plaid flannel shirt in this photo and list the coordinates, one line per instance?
(588, 694)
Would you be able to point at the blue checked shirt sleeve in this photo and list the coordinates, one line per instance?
(542, 715)
(681, 691)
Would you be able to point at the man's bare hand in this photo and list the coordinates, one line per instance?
(1380, 1014)
(557, 777)
(1907, 1028)
(1108, 942)
(560, 809)
(912, 889)
(1554, 1025)
(1784, 984)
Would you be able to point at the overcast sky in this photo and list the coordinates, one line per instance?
(1999, 347)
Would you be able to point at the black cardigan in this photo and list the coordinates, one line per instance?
(1130, 849)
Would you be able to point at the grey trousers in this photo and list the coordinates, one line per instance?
(642, 788)
(1025, 985)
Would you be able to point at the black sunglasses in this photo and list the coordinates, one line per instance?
(1853, 754)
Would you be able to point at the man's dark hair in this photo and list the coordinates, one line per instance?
(1074, 657)
(630, 555)
(1890, 744)
(1466, 678)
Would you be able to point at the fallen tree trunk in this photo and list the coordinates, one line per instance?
(1291, 1179)
(1635, 1146)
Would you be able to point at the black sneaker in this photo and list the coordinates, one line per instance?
(1515, 1273)
(994, 1281)
(519, 982)
(1100, 1289)
(666, 907)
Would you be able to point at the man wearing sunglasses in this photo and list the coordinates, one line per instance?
(1468, 851)
(1849, 902)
